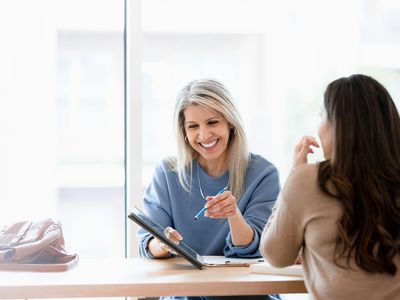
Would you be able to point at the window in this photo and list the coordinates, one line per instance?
(62, 91)
(62, 119)
(276, 58)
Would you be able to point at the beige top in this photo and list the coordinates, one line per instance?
(306, 217)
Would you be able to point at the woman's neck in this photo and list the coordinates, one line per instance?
(214, 168)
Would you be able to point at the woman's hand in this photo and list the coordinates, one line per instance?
(173, 235)
(221, 206)
(159, 249)
(302, 149)
(224, 206)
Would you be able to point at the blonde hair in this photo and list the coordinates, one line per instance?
(213, 95)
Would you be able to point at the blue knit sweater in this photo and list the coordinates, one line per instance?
(169, 204)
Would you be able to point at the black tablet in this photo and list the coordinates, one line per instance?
(157, 230)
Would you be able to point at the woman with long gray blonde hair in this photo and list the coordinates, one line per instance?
(215, 194)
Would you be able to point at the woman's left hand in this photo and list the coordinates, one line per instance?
(221, 206)
(302, 149)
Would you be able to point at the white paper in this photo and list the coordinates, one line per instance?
(222, 260)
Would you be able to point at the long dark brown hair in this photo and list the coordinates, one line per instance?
(364, 172)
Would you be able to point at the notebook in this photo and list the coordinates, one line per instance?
(183, 249)
(266, 268)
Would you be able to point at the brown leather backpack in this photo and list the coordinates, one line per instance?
(34, 246)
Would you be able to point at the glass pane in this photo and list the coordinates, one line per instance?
(276, 58)
(62, 119)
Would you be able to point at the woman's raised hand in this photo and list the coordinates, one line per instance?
(302, 149)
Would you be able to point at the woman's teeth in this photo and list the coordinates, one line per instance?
(209, 145)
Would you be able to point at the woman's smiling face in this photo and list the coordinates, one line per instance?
(207, 132)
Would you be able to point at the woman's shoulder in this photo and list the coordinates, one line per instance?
(305, 170)
(166, 165)
(303, 178)
(302, 192)
(258, 163)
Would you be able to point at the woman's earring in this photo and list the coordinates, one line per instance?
(186, 139)
(233, 131)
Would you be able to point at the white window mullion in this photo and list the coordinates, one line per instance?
(133, 113)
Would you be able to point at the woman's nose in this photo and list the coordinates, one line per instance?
(204, 133)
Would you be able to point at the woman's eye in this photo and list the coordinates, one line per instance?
(191, 126)
(212, 122)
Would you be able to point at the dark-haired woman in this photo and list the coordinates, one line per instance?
(344, 213)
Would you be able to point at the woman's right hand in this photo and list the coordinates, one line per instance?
(302, 149)
(159, 249)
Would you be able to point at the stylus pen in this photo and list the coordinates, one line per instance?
(201, 212)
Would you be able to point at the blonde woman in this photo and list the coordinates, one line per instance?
(212, 169)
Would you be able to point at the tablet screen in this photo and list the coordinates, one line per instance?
(157, 230)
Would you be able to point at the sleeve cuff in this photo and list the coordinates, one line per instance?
(250, 250)
(145, 252)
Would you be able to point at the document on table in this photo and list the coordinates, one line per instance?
(266, 268)
(213, 261)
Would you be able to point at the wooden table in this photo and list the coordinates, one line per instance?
(143, 278)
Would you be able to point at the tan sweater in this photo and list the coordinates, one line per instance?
(306, 218)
